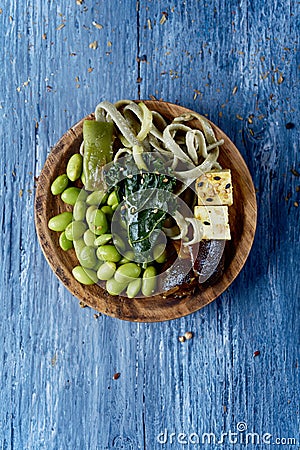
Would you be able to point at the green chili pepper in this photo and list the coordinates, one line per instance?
(98, 139)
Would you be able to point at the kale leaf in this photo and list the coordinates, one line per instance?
(147, 197)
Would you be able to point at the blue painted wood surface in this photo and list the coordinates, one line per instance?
(237, 62)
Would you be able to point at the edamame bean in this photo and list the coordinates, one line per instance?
(89, 238)
(59, 184)
(127, 272)
(79, 244)
(106, 271)
(83, 195)
(113, 199)
(149, 281)
(64, 243)
(119, 243)
(114, 288)
(108, 253)
(130, 255)
(96, 198)
(124, 261)
(84, 276)
(102, 239)
(134, 288)
(107, 211)
(70, 195)
(75, 230)
(160, 253)
(89, 212)
(88, 257)
(60, 222)
(82, 178)
(74, 167)
(79, 210)
(98, 265)
(98, 222)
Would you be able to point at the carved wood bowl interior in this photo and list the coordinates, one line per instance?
(242, 217)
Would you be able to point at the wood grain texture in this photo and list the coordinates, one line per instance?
(57, 361)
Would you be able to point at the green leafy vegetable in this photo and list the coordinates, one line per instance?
(147, 199)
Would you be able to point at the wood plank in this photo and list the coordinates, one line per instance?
(236, 65)
(57, 360)
(56, 386)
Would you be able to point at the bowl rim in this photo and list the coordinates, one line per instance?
(214, 291)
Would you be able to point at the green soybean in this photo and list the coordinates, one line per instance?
(115, 288)
(98, 222)
(96, 198)
(108, 253)
(160, 253)
(106, 271)
(113, 199)
(74, 167)
(129, 255)
(102, 239)
(89, 238)
(84, 276)
(83, 195)
(134, 288)
(98, 265)
(70, 195)
(149, 281)
(75, 230)
(79, 244)
(107, 211)
(127, 272)
(64, 243)
(123, 261)
(79, 210)
(89, 212)
(119, 243)
(88, 257)
(60, 222)
(59, 184)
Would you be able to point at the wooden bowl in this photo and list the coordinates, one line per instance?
(154, 309)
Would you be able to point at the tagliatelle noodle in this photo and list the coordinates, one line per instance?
(120, 152)
(141, 130)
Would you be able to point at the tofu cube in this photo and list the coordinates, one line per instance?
(214, 220)
(215, 188)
